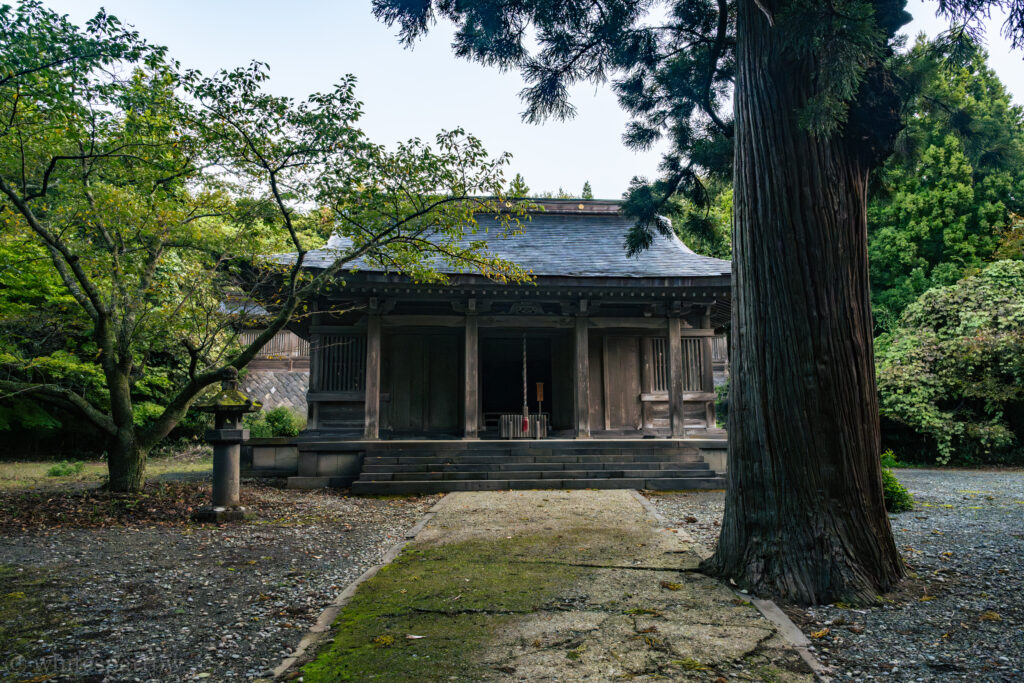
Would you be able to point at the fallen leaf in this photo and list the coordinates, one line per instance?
(989, 615)
(820, 634)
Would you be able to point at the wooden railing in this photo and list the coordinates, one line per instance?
(282, 345)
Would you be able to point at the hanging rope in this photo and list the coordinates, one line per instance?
(526, 408)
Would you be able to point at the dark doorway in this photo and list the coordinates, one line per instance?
(501, 373)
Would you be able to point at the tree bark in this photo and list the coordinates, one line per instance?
(126, 460)
(804, 514)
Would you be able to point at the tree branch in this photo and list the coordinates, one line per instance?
(62, 396)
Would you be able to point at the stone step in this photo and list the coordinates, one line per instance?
(526, 459)
(533, 467)
(429, 452)
(552, 474)
(363, 487)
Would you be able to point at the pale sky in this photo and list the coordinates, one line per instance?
(309, 44)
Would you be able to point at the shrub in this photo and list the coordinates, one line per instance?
(889, 459)
(65, 468)
(953, 369)
(279, 421)
(897, 497)
(722, 404)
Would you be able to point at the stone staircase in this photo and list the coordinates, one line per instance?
(420, 467)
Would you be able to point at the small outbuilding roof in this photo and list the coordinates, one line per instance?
(570, 238)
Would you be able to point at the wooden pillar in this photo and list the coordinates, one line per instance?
(708, 371)
(315, 349)
(675, 377)
(582, 375)
(372, 387)
(471, 408)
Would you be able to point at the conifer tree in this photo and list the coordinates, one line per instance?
(815, 108)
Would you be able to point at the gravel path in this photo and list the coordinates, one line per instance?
(960, 616)
(197, 602)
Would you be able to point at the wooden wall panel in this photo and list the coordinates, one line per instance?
(622, 377)
(423, 376)
(445, 390)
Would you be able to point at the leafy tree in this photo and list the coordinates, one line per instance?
(815, 109)
(952, 370)
(587, 192)
(946, 202)
(152, 210)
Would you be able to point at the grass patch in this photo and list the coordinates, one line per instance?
(456, 596)
(21, 475)
(66, 468)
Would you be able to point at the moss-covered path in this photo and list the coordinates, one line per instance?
(550, 585)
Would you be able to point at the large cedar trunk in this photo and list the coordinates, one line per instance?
(804, 514)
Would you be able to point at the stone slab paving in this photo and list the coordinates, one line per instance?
(621, 598)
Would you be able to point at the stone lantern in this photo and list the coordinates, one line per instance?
(227, 435)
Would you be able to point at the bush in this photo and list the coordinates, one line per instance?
(889, 459)
(897, 497)
(279, 421)
(952, 372)
(722, 404)
(65, 468)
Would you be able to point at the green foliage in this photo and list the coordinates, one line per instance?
(897, 497)
(518, 187)
(889, 459)
(952, 369)
(950, 199)
(279, 421)
(587, 192)
(722, 405)
(137, 197)
(705, 225)
(66, 468)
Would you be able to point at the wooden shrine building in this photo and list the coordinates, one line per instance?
(608, 348)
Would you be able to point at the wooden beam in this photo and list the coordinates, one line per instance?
(582, 379)
(675, 378)
(646, 324)
(423, 320)
(338, 329)
(471, 409)
(526, 321)
(318, 396)
(372, 387)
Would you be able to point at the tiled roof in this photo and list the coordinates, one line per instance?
(565, 242)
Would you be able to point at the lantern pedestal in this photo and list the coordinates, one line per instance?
(227, 437)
